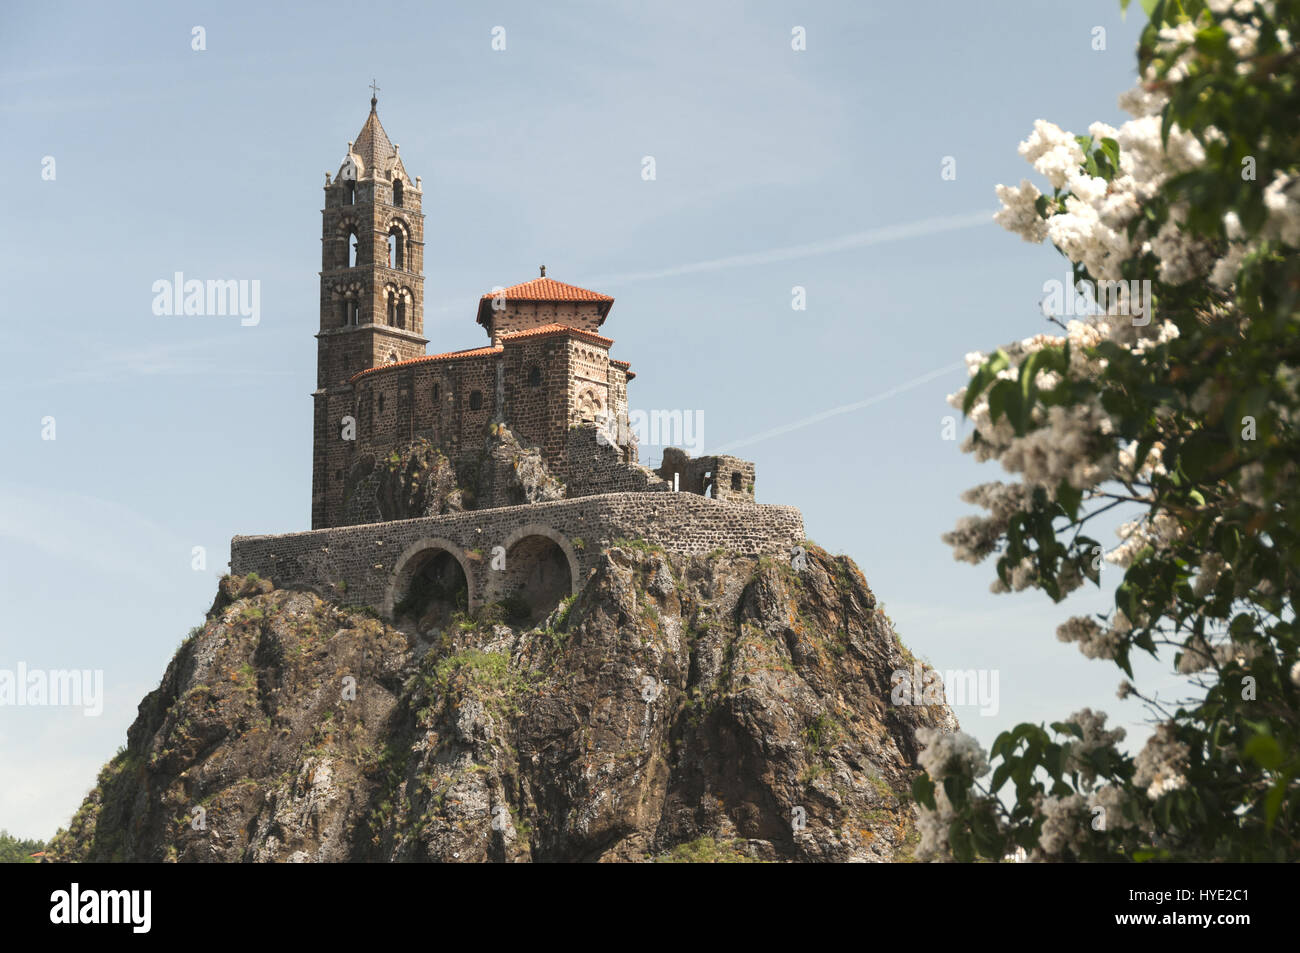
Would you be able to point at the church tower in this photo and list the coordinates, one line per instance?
(371, 286)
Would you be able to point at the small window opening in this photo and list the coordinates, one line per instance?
(476, 400)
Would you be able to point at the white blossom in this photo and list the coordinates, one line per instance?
(1019, 214)
(950, 753)
(1161, 765)
(1052, 151)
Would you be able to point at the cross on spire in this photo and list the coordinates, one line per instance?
(374, 93)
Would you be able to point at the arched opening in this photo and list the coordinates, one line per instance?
(397, 192)
(396, 248)
(400, 321)
(354, 249)
(538, 575)
(390, 299)
(351, 311)
(430, 588)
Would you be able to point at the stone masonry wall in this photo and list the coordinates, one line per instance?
(361, 564)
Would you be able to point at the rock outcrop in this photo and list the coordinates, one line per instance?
(706, 708)
(419, 480)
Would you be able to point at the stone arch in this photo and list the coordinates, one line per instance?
(589, 405)
(419, 557)
(541, 569)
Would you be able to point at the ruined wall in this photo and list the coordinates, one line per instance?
(719, 477)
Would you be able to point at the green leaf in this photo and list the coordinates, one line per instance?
(959, 841)
(1264, 751)
(1273, 800)
(923, 791)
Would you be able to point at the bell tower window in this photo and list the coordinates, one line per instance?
(396, 248)
(354, 248)
(397, 192)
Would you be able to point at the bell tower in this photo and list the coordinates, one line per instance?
(371, 286)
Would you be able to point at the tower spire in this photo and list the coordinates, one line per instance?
(374, 94)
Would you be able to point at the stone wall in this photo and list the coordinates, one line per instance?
(597, 465)
(365, 564)
(719, 476)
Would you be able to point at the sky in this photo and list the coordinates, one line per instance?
(132, 155)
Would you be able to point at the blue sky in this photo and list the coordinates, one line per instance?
(774, 169)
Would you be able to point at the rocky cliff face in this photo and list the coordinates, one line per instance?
(710, 708)
(418, 480)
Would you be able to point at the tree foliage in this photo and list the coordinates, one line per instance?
(1175, 405)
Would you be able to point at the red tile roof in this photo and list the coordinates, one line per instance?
(448, 356)
(547, 289)
(546, 330)
(543, 289)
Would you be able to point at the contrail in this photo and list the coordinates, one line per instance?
(872, 236)
(843, 409)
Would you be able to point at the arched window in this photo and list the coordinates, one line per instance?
(534, 376)
(400, 321)
(354, 248)
(354, 311)
(397, 192)
(391, 299)
(476, 400)
(396, 248)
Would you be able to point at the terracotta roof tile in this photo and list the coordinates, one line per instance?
(546, 330)
(547, 289)
(448, 356)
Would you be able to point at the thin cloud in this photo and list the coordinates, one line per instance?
(872, 236)
(842, 409)
(829, 246)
